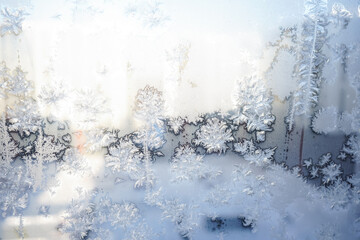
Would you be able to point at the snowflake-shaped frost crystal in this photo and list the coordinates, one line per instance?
(324, 159)
(253, 107)
(213, 136)
(17, 84)
(352, 147)
(125, 157)
(149, 105)
(176, 125)
(331, 172)
(24, 117)
(253, 154)
(11, 21)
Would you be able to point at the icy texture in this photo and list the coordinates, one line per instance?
(253, 107)
(11, 21)
(310, 60)
(45, 150)
(253, 154)
(9, 149)
(187, 165)
(213, 136)
(112, 110)
(125, 157)
(325, 121)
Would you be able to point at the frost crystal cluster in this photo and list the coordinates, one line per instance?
(213, 136)
(122, 120)
(253, 107)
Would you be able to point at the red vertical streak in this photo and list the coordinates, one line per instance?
(301, 149)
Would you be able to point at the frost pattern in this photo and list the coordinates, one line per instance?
(253, 107)
(88, 105)
(187, 165)
(331, 172)
(181, 214)
(9, 149)
(149, 108)
(98, 139)
(39, 153)
(253, 154)
(78, 219)
(341, 15)
(14, 187)
(324, 159)
(125, 157)
(24, 117)
(325, 120)
(150, 13)
(213, 136)
(176, 125)
(352, 147)
(11, 21)
(74, 163)
(310, 60)
(45, 151)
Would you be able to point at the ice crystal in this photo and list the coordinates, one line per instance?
(74, 163)
(182, 215)
(341, 15)
(176, 125)
(324, 159)
(88, 106)
(325, 120)
(46, 150)
(346, 121)
(253, 106)
(14, 186)
(337, 195)
(330, 173)
(17, 83)
(9, 149)
(199, 119)
(342, 156)
(213, 136)
(219, 196)
(53, 94)
(187, 165)
(152, 137)
(253, 154)
(24, 117)
(314, 172)
(4, 77)
(352, 147)
(125, 157)
(78, 219)
(97, 139)
(308, 163)
(149, 105)
(123, 215)
(354, 179)
(11, 21)
(311, 60)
